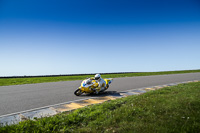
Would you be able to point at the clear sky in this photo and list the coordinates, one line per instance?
(43, 37)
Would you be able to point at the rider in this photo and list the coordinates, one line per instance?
(101, 82)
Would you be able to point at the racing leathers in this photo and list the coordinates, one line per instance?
(102, 85)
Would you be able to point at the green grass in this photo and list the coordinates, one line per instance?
(171, 109)
(18, 81)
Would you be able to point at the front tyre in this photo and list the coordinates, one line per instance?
(78, 92)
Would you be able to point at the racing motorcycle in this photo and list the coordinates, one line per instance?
(90, 88)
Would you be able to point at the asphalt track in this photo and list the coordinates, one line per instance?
(25, 97)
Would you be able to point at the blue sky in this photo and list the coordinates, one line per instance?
(43, 37)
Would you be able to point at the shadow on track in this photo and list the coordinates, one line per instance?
(102, 94)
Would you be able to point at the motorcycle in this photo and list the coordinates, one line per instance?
(90, 88)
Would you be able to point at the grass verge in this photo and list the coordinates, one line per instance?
(171, 109)
(32, 80)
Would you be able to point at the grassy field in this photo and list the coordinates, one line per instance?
(18, 81)
(171, 109)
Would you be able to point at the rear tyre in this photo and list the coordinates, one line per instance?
(78, 92)
(107, 86)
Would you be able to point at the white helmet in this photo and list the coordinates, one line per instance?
(97, 76)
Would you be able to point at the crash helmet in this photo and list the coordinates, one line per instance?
(97, 76)
(88, 81)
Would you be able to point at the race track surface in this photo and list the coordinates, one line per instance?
(25, 97)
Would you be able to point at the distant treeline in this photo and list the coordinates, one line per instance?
(25, 76)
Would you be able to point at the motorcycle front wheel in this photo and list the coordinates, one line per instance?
(78, 92)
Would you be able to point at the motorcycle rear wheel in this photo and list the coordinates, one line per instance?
(107, 86)
(78, 92)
